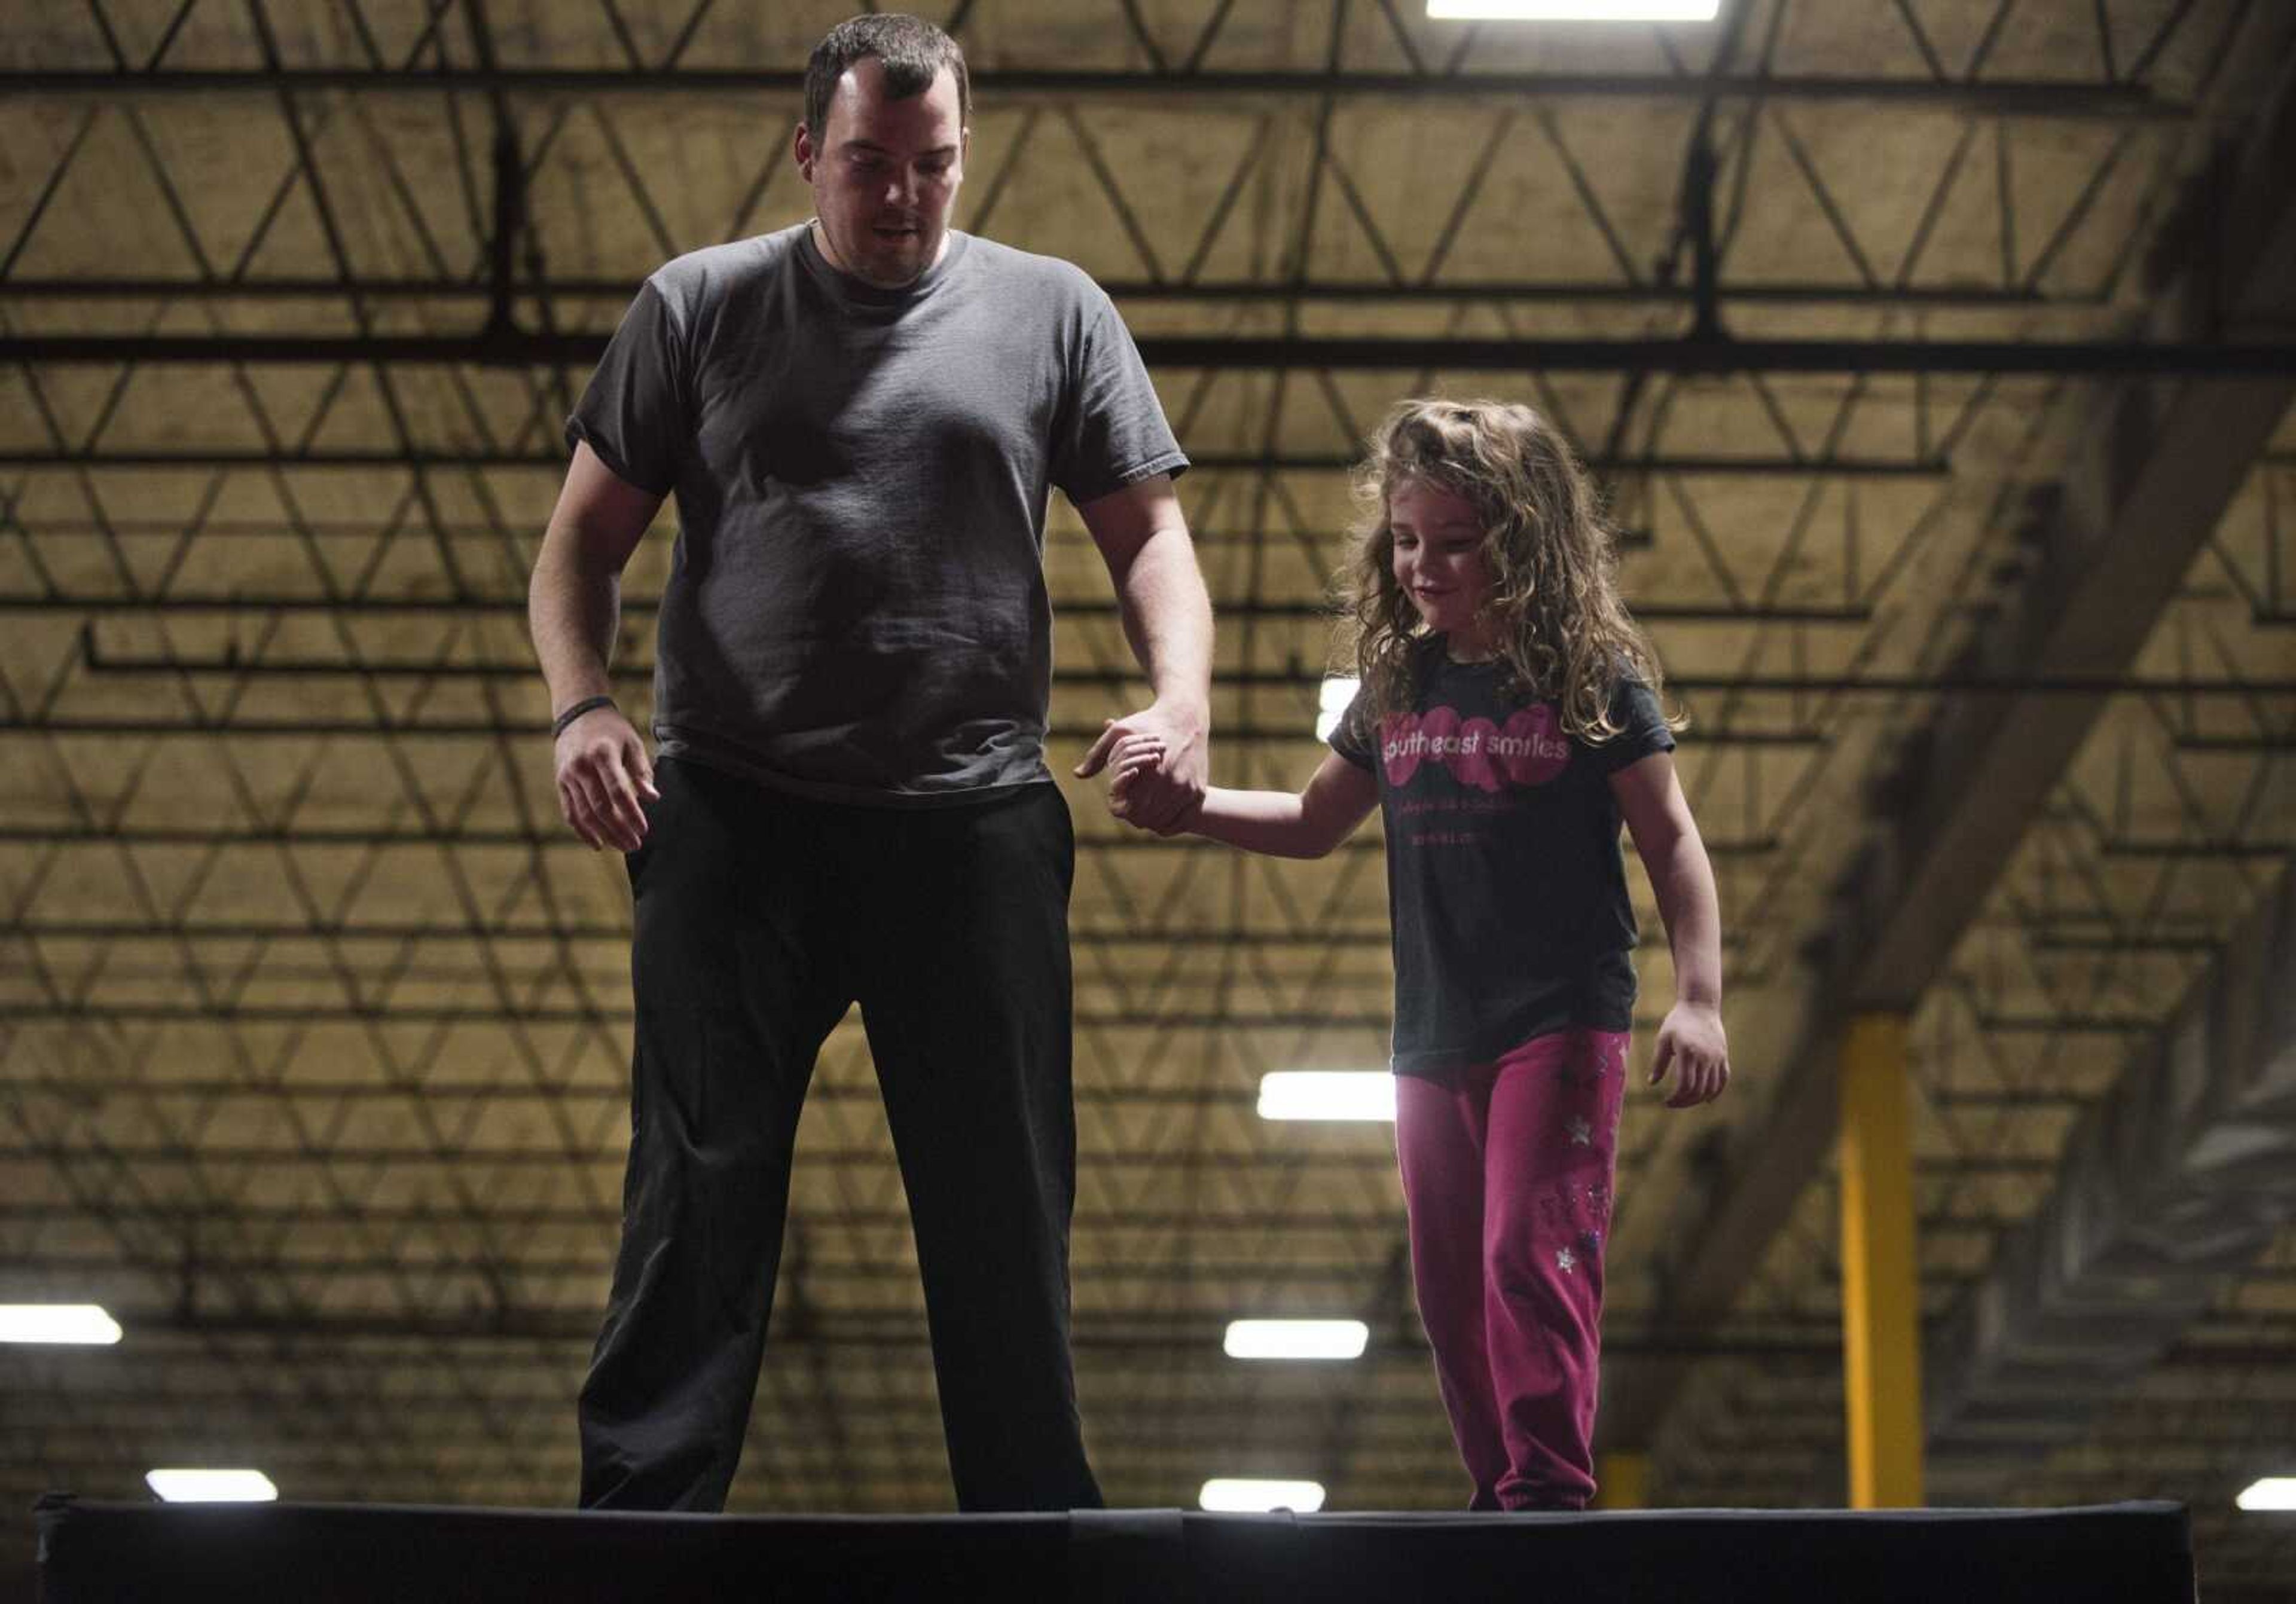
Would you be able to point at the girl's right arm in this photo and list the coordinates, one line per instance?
(1337, 798)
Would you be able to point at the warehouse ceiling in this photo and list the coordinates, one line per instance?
(314, 1020)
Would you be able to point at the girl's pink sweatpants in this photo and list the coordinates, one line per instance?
(1507, 1171)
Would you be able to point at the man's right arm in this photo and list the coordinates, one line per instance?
(573, 604)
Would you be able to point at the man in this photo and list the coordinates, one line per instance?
(860, 418)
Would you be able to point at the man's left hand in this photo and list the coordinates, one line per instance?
(1162, 796)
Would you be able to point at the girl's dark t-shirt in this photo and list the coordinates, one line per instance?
(1506, 888)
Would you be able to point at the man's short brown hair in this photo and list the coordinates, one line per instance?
(913, 50)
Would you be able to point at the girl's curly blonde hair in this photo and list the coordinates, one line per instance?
(1558, 622)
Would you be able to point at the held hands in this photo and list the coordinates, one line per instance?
(1691, 1042)
(1134, 766)
(605, 778)
(1160, 766)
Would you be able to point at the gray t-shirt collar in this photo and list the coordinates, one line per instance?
(857, 293)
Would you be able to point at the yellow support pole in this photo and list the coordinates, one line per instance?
(1881, 1283)
(1622, 1481)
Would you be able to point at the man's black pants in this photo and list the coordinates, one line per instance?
(760, 917)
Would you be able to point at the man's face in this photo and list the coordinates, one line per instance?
(884, 173)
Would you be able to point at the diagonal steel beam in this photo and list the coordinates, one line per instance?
(2172, 1187)
(2154, 470)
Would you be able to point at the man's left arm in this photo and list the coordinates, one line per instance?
(1168, 618)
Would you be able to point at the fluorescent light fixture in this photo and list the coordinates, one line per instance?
(1575, 11)
(1242, 1495)
(1327, 1094)
(1297, 1339)
(57, 1322)
(1336, 695)
(2267, 1492)
(211, 1487)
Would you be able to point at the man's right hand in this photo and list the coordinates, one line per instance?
(604, 779)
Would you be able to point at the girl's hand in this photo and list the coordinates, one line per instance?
(1691, 1044)
(1134, 759)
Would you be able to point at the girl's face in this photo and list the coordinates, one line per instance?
(1439, 559)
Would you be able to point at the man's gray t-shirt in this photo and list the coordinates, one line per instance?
(857, 607)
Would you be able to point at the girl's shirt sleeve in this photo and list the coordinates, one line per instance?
(1641, 726)
(1354, 737)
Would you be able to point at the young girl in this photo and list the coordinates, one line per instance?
(1507, 720)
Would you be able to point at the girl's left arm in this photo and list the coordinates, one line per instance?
(1691, 1041)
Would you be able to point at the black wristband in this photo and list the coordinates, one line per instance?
(589, 704)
